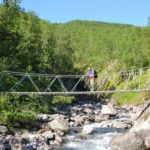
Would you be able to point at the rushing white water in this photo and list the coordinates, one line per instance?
(99, 140)
(93, 142)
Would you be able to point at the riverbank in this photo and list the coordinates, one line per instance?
(76, 122)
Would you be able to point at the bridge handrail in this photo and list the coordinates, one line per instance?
(123, 72)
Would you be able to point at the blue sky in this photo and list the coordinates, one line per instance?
(135, 12)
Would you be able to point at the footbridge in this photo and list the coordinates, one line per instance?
(50, 84)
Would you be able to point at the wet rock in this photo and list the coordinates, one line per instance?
(87, 130)
(87, 110)
(99, 118)
(25, 141)
(78, 119)
(4, 145)
(28, 147)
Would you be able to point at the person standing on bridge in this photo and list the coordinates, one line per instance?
(91, 75)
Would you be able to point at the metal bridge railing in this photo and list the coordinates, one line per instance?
(50, 84)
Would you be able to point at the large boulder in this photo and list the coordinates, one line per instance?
(59, 125)
(130, 141)
(115, 124)
(141, 125)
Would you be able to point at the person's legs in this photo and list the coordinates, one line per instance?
(91, 84)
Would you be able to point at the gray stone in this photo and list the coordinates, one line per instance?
(108, 110)
(58, 138)
(100, 118)
(59, 125)
(147, 141)
(3, 129)
(79, 119)
(4, 145)
(130, 141)
(87, 130)
(87, 110)
(48, 135)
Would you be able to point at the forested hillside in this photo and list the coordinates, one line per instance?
(31, 44)
(103, 44)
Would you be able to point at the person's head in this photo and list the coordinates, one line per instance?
(89, 68)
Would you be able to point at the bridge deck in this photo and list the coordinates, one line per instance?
(75, 93)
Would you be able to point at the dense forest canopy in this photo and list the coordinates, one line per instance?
(31, 44)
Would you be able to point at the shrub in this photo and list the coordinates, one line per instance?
(62, 100)
(21, 111)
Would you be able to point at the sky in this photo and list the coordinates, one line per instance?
(135, 12)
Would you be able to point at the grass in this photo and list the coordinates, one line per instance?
(127, 98)
(131, 97)
(62, 100)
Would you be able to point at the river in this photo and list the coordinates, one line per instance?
(99, 140)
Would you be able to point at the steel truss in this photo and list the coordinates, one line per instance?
(50, 84)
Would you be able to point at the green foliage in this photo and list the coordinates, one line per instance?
(21, 111)
(127, 98)
(132, 82)
(62, 100)
(20, 119)
(31, 44)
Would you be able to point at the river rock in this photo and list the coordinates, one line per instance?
(108, 110)
(87, 110)
(78, 119)
(57, 143)
(147, 141)
(87, 130)
(48, 135)
(3, 129)
(141, 124)
(44, 117)
(15, 142)
(99, 118)
(129, 141)
(4, 145)
(59, 125)
(114, 124)
(58, 138)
